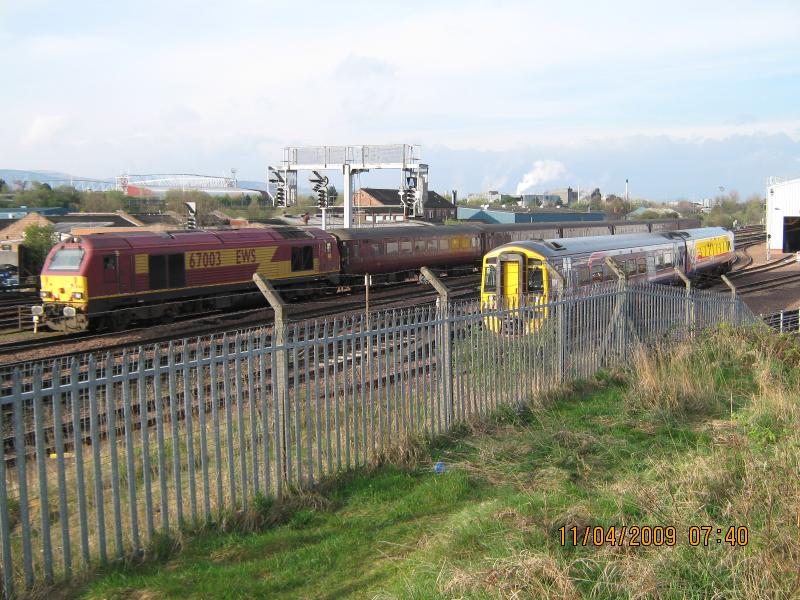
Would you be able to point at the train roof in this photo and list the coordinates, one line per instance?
(181, 238)
(372, 233)
(598, 243)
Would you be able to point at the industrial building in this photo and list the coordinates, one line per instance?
(783, 214)
(487, 215)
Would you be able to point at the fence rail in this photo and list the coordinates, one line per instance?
(99, 454)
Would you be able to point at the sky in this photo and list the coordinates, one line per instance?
(681, 98)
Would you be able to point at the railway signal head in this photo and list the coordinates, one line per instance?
(280, 196)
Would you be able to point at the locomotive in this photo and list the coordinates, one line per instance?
(109, 280)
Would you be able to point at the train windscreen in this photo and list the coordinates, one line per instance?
(68, 259)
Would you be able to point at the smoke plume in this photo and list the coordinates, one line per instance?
(543, 171)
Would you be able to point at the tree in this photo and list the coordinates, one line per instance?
(101, 202)
(3, 186)
(37, 242)
(204, 203)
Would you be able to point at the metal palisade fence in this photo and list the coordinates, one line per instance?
(102, 453)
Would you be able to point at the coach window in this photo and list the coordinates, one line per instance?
(630, 266)
(419, 246)
(444, 244)
(391, 247)
(660, 261)
(584, 275)
(597, 273)
(405, 246)
(642, 264)
(667, 260)
(302, 258)
(433, 246)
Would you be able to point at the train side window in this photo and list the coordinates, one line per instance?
(651, 263)
(642, 264)
(177, 270)
(354, 249)
(329, 250)
(444, 244)
(391, 247)
(110, 268)
(660, 261)
(157, 269)
(302, 258)
(433, 246)
(630, 266)
(475, 242)
(405, 246)
(584, 275)
(597, 273)
(419, 246)
(668, 260)
(377, 249)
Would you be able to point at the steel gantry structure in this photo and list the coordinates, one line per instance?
(352, 160)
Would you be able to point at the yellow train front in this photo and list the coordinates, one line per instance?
(515, 288)
(519, 280)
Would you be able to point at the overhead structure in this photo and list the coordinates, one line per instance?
(351, 160)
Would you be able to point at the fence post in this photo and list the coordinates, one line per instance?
(689, 303)
(621, 311)
(561, 322)
(732, 287)
(281, 361)
(447, 351)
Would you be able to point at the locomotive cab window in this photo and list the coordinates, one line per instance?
(109, 268)
(302, 258)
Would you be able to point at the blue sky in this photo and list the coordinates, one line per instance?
(679, 97)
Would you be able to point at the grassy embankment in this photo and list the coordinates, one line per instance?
(705, 434)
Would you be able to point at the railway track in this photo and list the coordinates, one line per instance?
(18, 353)
(768, 284)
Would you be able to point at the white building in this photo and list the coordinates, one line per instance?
(783, 214)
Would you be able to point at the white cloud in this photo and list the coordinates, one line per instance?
(44, 128)
(542, 172)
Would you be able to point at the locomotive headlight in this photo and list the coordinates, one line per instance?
(77, 295)
(69, 311)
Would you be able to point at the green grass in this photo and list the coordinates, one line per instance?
(488, 526)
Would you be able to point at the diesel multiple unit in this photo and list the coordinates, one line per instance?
(108, 280)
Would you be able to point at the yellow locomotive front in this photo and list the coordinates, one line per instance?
(515, 288)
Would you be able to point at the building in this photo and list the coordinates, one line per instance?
(567, 196)
(543, 200)
(783, 214)
(487, 215)
(436, 208)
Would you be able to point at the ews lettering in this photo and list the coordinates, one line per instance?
(245, 256)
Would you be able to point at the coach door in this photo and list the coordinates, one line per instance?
(511, 271)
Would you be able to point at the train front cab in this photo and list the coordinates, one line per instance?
(515, 287)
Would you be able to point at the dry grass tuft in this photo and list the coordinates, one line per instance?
(522, 575)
